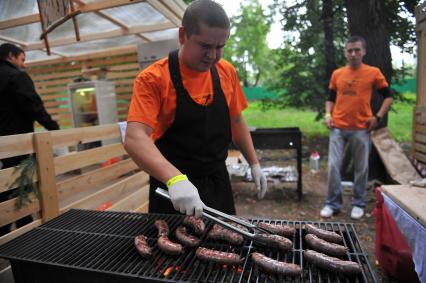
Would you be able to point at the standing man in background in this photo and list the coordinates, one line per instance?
(350, 119)
(20, 107)
(185, 111)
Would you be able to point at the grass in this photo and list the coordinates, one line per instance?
(399, 122)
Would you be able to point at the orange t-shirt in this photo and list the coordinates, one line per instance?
(354, 89)
(154, 96)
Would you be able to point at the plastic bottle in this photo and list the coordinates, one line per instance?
(314, 162)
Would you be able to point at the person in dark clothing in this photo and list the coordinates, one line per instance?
(20, 107)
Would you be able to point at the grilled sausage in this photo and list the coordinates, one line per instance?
(329, 236)
(332, 263)
(325, 247)
(196, 224)
(217, 256)
(274, 241)
(219, 232)
(282, 230)
(185, 238)
(162, 227)
(272, 266)
(142, 246)
(169, 247)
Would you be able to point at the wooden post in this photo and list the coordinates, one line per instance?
(413, 134)
(421, 54)
(46, 175)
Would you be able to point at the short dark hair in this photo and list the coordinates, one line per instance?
(204, 12)
(357, 38)
(7, 48)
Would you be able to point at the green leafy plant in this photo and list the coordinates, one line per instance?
(24, 183)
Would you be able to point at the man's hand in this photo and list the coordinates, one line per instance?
(184, 196)
(259, 179)
(371, 123)
(329, 121)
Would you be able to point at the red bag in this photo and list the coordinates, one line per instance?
(392, 250)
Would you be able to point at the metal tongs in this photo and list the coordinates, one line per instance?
(207, 210)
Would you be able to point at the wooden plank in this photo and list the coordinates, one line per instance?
(20, 231)
(49, 90)
(46, 175)
(420, 157)
(88, 157)
(420, 148)
(52, 104)
(102, 35)
(169, 14)
(110, 193)
(46, 98)
(121, 59)
(8, 177)
(421, 129)
(421, 68)
(123, 67)
(9, 214)
(75, 136)
(116, 75)
(106, 52)
(421, 138)
(124, 82)
(133, 201)
(94, 178)
(15, 145)
(55, 75)
(90, 7)
(61, 67)
(410, 198)
(143, 208)
(53, 83)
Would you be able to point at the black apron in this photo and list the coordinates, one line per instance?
(197, 144)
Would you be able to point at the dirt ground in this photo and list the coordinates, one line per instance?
(281, 202)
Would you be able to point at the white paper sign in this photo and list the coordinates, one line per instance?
(123, 127)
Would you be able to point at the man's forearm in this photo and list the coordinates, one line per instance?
(242, 139)
(387, 102)
(329, 105)
(146, 155)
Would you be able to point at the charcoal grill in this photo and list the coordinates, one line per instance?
(97, 246)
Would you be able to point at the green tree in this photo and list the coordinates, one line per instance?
(247, 47)
(302, 64)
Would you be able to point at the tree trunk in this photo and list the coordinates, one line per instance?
(365, 19)
(330, 49)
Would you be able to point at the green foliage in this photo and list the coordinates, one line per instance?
(247, 48)
(24, 183)
(301, 62)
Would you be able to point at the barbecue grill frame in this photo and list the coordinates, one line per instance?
(117, 229)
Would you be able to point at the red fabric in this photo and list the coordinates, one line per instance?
(392, 250)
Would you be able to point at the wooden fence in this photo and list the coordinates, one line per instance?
(101, 177)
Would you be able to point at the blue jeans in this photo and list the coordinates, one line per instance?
(359, 145)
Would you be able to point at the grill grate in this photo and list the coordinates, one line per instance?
(94, 246)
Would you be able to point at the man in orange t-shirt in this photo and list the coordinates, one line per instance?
(350, 119)
(185, 111)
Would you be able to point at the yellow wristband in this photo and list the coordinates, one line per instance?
(327, 115)
(176, 179)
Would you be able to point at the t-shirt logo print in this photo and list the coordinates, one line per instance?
(350, 87)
